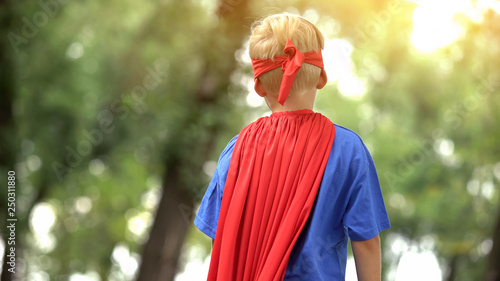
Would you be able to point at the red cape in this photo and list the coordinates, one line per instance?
(275, 172)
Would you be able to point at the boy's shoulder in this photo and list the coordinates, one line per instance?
(349, 146)
(347, 135)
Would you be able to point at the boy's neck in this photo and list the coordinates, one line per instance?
(280, 108)
(294, 102)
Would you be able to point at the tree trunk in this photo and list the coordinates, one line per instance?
(161, 252)
(452, 268)
(493, 267)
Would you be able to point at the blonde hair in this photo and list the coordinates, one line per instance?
(268, 39)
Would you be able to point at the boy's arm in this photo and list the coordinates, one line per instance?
(367, 258)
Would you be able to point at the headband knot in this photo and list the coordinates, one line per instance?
(290, 65)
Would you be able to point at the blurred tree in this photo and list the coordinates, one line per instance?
(101, 110)
(193, 137)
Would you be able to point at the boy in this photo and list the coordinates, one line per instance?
(292, 188)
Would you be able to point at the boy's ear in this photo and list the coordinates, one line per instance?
(322, 79)
(259, 88)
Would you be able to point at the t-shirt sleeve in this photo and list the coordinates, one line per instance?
(208, 214)
(366, 215)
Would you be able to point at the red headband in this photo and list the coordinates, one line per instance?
(289, 64)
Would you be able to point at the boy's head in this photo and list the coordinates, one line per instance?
(268, 39)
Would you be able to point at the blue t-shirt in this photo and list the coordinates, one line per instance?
(349, 204)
